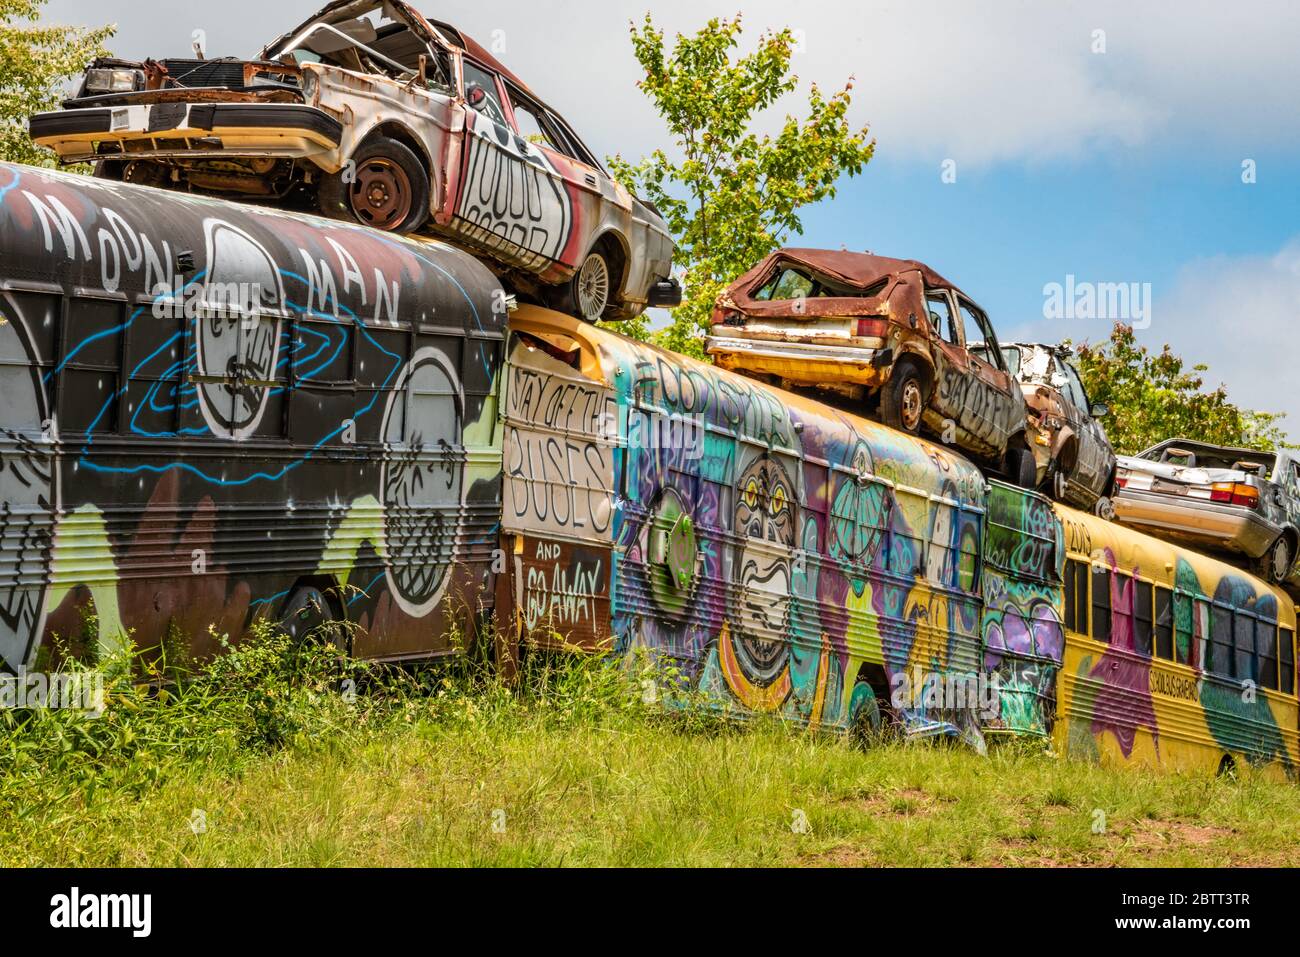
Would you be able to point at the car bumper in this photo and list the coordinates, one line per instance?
(665, 294)
(800, 361)
(193, 130)
(1211, 524)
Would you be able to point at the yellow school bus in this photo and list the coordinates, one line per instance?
(1172, 659)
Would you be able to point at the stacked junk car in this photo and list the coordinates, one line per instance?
(329, 315)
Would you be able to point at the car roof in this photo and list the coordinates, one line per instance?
(453, 35)
(856, 270)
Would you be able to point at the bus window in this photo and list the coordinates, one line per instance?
(1070, 600)
(1243, 640)
(1101, 604)
(1142, 617)
(1164, 623)
(1266, 648)
(1286, 661)
(1218, 652)
(92, 357)
(1184, 628)
(1121, 613)
(1076, 596)
(1081, 589)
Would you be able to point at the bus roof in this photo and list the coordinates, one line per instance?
(909, 462)
(149, 246)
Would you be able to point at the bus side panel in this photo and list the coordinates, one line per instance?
(1022, 629)
(213, 411)
(776, 553)
(1171, 682)
(557, 510)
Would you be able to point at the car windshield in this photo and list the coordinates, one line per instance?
(375, 41)
(791, 283)
(1212, 457)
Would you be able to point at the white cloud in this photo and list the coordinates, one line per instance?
(981, 83)
(1241, 317)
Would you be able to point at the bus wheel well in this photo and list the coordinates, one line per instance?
(1227, 767)
(326, 585)
(874, 675)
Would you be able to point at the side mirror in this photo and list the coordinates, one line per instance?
(1100, 410)
(475, 96)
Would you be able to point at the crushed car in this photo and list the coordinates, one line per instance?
(887, 336)
(371, 112)
(1238, 501)
(1076, 463)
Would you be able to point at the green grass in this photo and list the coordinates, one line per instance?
(445, 767)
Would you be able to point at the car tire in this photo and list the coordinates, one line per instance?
(1019, 466)
(903, 400)
(587, 295)
(383, 185)
(1276, 563)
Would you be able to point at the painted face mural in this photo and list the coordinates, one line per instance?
(422, 480)
(238, 341)
(756, 650)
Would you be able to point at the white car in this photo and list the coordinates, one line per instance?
(371, 112)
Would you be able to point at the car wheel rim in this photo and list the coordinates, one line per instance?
(911, 404)
(381, 194)
(1281, 561)
(593, 287)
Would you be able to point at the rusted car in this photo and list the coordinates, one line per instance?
(890, 336)
(370, 111)
(1239, 501)
(1076, 463)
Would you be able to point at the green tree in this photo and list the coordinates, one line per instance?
(35, 61)
(1155, 396)
(732, 196)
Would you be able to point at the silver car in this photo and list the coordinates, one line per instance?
(1075, 461)
(1239, 501)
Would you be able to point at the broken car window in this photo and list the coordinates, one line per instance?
(787, 284)
(481, 92)
(529, 124)
(977, 320)
(941, 317)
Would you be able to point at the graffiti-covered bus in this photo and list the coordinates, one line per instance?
(1172, 659)
(213, 413)
(787, 557)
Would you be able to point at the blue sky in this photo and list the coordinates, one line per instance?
(1103, 140)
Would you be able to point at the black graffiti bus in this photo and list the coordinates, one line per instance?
(215, 412)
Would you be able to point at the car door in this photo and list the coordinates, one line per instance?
(1094, 450)
(586, 186)
(951, 360)
(994, 396)
(511, 201)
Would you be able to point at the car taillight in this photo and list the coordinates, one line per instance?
(1235, 493)
(871, 327)
(1121, 482)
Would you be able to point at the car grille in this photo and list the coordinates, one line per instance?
(223, 73)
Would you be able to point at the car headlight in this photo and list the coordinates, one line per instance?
(113, 81)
